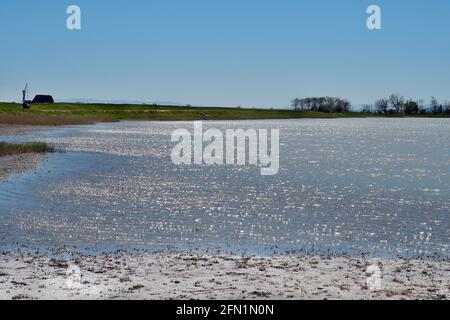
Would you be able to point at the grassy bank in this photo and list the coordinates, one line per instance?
(7, 149)
(73, 113)
(65, 113)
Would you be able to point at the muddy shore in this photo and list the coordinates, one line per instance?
(191, 276)
(13, 130)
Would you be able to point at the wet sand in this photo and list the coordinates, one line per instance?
(191, 276)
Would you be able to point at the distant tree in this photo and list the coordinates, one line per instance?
(324, 104)
(411, 107)
(420, 102)
(434, 105)
(382, 105)
(298, 105)
(321, 104)
(343, 105)
(422, 109)
(314, 104)
(367, 108)
(295, 104)
(447, 107)
(397, 102)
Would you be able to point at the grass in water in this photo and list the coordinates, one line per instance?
(7, 149)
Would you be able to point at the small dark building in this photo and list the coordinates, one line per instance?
(43, 99)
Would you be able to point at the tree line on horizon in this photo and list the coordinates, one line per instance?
(395, 104)
(322, 104)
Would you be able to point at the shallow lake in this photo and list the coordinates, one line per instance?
(375, 186)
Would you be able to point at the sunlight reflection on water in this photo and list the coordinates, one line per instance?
(377, 186)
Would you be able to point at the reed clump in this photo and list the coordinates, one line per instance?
(7, 149)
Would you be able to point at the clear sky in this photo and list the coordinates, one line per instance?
(225, 52)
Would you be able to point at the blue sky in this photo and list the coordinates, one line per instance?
(225, 53)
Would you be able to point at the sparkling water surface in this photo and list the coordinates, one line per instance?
(375, 186)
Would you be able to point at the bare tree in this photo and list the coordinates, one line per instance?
(296, 104)
(447, 107)
(420, 102)
(344, 104)
(434, 105)
(367, 108)
(422, 109)
(309, 103)
(397, 102)
(382, 105)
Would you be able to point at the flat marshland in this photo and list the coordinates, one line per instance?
(73, 113)
(80, 113)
